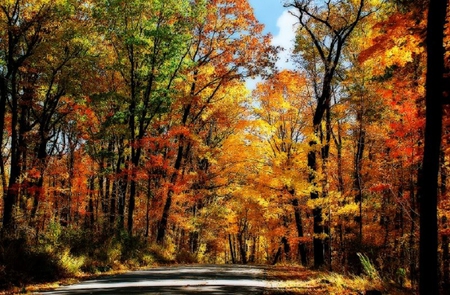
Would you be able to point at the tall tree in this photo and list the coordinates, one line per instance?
(150, 41)
(24, 26)
(428, 260)
(328, 25)
(283, 110)
(227, 46)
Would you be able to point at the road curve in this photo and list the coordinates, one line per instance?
(197, 279)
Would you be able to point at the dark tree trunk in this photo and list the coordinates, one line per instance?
(122, 192)
(133, 188)
(286, 248)
(357, 177)
(10, 198)
(116, 184)
(329, 54)
(179, 159)
(233, 256)
(428, 256)
(277, 256)
(252, 258)
(445, 243)
(242, 247)
(3, 96)
(147, 211)
(299, 225)
(164, 219)
(90, 218)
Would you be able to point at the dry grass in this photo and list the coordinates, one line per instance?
(297, 280)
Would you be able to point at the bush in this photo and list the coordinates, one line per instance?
(65, 252)
(21, 264)
(368, 267)
(71, 264)
(185, 257)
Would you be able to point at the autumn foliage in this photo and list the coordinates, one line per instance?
(129, 123)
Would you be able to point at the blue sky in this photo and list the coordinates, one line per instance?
(281, 25)
(268, 12)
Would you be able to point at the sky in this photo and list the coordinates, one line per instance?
(281, 25)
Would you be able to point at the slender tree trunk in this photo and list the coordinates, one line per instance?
(428, 256)
(165, 216)
(122, 192)
(147, 211)
(233, 257)
(12, 192)
(357, 177)
(173, 180)
(299, 225)
(41, 163)
(277, 256)
(252, 257)
(115, 193)
(3, 96)
(133, 188)
(445, 243)
(90, 219)
(412, 233)
(242, 243)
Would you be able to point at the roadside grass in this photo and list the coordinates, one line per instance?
(296, 280)
(65, 255)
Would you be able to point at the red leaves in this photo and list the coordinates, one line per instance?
(380, 187)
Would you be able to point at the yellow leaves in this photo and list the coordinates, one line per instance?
(350, 209)
(393, 42)
(403, 51)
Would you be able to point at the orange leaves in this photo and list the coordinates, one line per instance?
(179, 131)
(396, 41)
(380, 187)
(232, 39)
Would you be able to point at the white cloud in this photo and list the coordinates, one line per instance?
(252, 82)
(287, 24)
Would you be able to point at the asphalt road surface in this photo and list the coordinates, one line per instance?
(201, 279)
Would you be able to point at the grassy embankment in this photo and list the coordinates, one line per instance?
(299, 281)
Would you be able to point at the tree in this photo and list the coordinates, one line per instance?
(328, 26)
(283, 109)
(428, 260)
(227, 46)
(150, 42)
(37, 70)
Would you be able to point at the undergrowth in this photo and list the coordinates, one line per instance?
(297, 280)
(64, 252)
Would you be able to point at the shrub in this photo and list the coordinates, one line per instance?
(368, 267)
(71, 264)
(185, 257)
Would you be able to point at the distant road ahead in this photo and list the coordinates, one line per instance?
(202, 279)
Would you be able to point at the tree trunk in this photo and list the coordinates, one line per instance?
(242, 247)
(299, 225)
(116, 185)
(357, 177)
(428, 256)
(10, 198)
(122, 192)
(233, 256)
(3, 96)
(445, 242)
(179, 159)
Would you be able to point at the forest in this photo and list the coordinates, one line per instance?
(129, 137)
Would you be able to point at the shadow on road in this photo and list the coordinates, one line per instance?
(204, 279)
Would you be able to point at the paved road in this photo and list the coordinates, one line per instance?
(203, 279)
